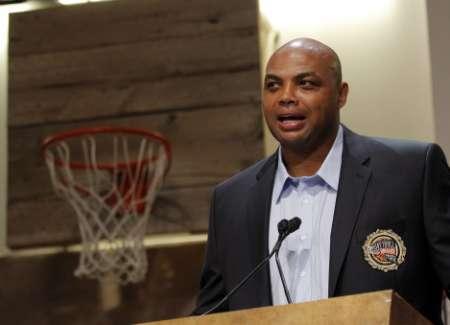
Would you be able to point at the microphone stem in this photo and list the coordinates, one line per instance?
(274, 251)
(283, 281)
(256, 269)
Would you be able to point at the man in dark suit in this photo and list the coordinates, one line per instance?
(375, 211)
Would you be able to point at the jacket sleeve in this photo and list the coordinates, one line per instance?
(212, 288)
(436, 205)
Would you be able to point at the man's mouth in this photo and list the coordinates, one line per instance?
(291, 117)
(291, 122)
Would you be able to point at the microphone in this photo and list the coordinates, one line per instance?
(294, 224)
(285, 228)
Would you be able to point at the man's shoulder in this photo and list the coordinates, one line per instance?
(401, 145)
(388, 146)
(401, 155)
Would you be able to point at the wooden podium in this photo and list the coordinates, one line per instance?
(376, 308)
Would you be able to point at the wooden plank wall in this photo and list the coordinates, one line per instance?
(186, 68)
(41, 290)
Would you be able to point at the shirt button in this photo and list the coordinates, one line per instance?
(303, 274)
(303, 237)
(306, 201)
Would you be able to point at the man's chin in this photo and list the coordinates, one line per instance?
(299, 144)
(293, 137)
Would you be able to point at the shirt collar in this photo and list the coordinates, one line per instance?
(329, 171)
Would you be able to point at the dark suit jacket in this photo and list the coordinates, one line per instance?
(384, 184)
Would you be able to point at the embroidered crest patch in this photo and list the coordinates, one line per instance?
(384, 250)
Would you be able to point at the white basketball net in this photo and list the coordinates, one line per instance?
(112, 203)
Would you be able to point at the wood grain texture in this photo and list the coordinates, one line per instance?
(113, 63)
(401, 313)
(207, 146)
(105, 100)
(42, 290)
(187, 69)
(110, 23)
(84, 79)
(360, 309)
(50, 220)
(202, 157)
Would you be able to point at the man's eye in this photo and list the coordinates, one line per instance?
(307, 83)
(272, 85)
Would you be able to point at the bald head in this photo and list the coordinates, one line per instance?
(314, 47)
(302, 97)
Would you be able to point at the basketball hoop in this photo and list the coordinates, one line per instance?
(110, 176)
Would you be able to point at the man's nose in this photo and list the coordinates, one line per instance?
(288, 97)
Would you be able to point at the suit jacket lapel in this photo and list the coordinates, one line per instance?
(354, 178)
(258, 212)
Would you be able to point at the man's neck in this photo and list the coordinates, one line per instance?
(307, 162)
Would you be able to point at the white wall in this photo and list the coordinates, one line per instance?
(383, 46)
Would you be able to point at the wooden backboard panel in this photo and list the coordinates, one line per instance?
(188, 69)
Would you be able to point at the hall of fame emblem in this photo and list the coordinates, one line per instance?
(384, 250)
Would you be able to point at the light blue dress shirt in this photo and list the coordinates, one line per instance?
(305, 254)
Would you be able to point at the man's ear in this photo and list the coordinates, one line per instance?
(342, 96)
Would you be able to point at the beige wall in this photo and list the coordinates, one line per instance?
(385, 58)
(438, 27)
(3, 128)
